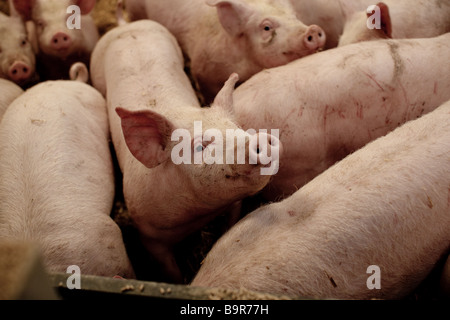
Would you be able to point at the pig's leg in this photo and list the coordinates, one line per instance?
(165, 258)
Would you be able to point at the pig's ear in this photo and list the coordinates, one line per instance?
(224, 98)
(86, 6)
(147, 135)
(22, 8)
(32, 36)
(233, 15)
(386, 24)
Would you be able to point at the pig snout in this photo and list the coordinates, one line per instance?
(61, 41)
(19, 71)
(314, 38)
(265, 150)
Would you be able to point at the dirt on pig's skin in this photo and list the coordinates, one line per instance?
(191, 252)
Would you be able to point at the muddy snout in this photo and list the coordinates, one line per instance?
(314, 38)
(265, 150)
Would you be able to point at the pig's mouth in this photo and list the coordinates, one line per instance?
(294, 55)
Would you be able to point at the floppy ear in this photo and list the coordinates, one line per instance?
(224, 98)
(22, 8)
(233, 14)
(31, 35)
(86, 6)
(147, 135)
(386, 24)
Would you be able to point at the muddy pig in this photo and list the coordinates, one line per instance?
(57, 178)
(17, 58)
(63, 36)
(140, 68)
(243, 36)
(372, 226)
(332, 103)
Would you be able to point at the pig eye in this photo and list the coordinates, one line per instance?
(267, 28)
(40, 23)
(24, 43)
(200, 146)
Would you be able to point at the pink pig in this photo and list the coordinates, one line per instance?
(17, 58)
(59, 45)
(332, 103)
(139, 67)
(225, 36)
(346, 21)
(57, 178)
(372, 226)
(399, 19)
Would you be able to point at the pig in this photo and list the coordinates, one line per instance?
(332, 103)
(17, 58)
(139, 68)
(224, 36)
(345, 21)
(410, 19)
(8, 92)
(329, 14)
(59, 45)
(383, 211)
(57, 178)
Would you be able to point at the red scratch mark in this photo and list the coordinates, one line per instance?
(429, 202)
(325, 117)
(371, 77)
(359, 112)
(291, 213)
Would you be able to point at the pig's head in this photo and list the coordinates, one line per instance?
(373, 24)
(51, 18)
(271, 31)
(206, 158)
(17, 58)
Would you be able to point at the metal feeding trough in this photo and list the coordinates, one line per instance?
(24, 278)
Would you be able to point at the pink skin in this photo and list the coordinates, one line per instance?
(242, 36)
(139, 67)
(57, 179)
(336, 101)
(58, 44)
(385, 205)
(17, 58)
(8, 92)
(347, 19)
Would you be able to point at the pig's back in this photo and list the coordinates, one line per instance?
(386, 205)
(53, 156)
